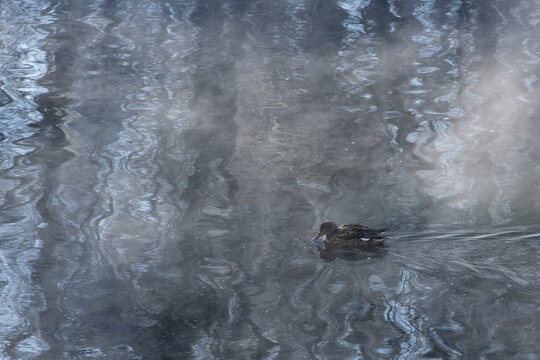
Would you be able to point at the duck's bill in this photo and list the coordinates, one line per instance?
(316, 237)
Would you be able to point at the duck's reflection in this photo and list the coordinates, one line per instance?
(330, 253)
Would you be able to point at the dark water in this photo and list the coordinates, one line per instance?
(164, 165)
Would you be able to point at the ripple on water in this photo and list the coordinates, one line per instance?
(161, 203)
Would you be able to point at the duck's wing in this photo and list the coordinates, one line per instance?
(353, 231)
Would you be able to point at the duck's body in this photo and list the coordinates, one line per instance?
(350, 236)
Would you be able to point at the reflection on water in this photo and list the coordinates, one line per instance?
(164, 165)
(330, 254)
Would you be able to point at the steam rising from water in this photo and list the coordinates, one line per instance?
(459, 106)
(181, 154)
(485, 158)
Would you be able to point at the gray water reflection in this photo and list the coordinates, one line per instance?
(164, 166)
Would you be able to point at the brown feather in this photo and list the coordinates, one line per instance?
(354, 236)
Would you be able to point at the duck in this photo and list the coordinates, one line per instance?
(349, 236)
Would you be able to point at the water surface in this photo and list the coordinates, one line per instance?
(164, 165)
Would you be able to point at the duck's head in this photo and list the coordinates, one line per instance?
(327, 227)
